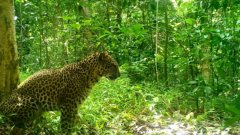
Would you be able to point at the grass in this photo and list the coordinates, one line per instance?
(117, 107)
(112, 108)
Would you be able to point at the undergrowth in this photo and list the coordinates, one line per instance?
(113, 107)
(116, 107)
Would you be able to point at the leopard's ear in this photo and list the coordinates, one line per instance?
(102, 56)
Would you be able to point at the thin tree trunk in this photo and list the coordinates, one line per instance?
(46, 43)
(166, 47)
(47, 59)
(205, 48)
(9, 76)
(205, 66)
(234, 51)
(108, 15)
(119, 12)
(156, 45)
(41, 35)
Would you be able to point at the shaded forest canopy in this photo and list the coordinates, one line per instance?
(185, 50)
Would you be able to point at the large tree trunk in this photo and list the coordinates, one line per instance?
(9, 75)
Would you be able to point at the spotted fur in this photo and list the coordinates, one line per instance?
(59, 90)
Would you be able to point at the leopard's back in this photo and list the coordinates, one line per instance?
(45, 87)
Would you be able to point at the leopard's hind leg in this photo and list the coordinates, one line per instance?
(20, 109)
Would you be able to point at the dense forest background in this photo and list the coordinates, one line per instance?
(175, 56)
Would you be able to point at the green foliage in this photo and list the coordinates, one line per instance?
(235, 111)
(202, 55)
(140, 70)
(111, 108)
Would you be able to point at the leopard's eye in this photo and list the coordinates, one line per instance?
(113, 72)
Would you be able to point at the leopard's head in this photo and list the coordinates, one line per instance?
(110, 67)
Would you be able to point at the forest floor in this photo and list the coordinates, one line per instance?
(124, 109)
(182, 125)
(177, 124)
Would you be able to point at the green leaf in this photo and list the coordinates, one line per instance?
(231, 121)
(134, 30)
(208, 90)
(189, 21)
(192, 82)
(76, 25)
(232, 109)
(67, 18)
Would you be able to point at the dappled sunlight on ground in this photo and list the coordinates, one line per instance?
(162, 125)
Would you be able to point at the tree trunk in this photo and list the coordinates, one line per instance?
(9, 76)
(156, 45)
(205, 47)
(41, 35)
(205, 63)
(166, 47)
(87, 33)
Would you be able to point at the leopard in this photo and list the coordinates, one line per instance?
(59, 89)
